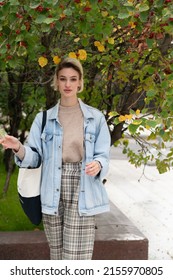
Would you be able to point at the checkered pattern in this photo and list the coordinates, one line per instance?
(70, 236)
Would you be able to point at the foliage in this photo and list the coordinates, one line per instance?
(126, 50)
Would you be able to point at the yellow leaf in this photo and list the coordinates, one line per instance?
(111, 41)
(137, 112)
(132, 24)
(128, 117)
(72, 55)
(42, 61)
(82, 55)
(147, 127)
(77, 40)
(131, 13)
(62, 16)
(56, 59)
(112, 114)
(101, 48)
(97, 43)
(104, 13)
(121, 118)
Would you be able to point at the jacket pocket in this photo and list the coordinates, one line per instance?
(95, 193)
(89, 145)
(47, 144)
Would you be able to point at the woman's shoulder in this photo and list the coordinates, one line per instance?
(93, 110)
(51, 113)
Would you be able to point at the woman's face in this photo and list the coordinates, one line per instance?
(68, 82)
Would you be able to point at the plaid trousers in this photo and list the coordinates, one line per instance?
(70, 236)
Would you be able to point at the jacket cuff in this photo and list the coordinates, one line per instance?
(21, 152)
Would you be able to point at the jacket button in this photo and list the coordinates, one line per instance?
(59, 168)
(55, 212)
(57, 190)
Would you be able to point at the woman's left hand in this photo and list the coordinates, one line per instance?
(93, 168)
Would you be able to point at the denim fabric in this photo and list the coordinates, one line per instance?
(93, 198)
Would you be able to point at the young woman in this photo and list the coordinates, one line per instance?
(74, 151)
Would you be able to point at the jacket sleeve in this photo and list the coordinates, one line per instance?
(33, 151)
(102, 146)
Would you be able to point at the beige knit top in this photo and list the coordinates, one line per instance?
(71, 119)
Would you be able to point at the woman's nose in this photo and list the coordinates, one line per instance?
(67, 83)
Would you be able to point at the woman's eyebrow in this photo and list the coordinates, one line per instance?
(62, 76)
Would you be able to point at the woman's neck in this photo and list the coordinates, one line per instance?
(68, 102)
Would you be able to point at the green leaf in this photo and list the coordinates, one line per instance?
(40, 19)
(123, 14)
(152, 136)
(68, 12)
(167, 13)
(169, 92)
(143, 7)
(158, 3)
(132, 128)
(34, 6)
(149, 69)
(137, 122)
(58, 26)
(49, 20)
(150, 43)
(151, 93)
(12, 63)
(14, 2)
(85, 42)
(162, 166)
(143, 16)
(151, 123)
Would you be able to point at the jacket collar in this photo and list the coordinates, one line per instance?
(85, 110)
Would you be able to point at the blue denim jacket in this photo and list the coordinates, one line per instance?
(93, 198)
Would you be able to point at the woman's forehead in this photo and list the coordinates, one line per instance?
(68, 72)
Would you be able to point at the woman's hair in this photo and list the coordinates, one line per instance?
(68, 63)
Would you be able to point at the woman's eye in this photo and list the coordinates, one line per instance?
(62, 79)
(74, 80)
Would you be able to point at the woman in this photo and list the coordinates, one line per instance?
(74, 150)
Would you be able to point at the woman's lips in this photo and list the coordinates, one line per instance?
(67, 90)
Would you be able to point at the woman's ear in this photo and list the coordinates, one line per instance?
(79, 86)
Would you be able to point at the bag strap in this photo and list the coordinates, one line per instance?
(44, 120)
(42, 127)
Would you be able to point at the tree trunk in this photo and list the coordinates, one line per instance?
(15, 114)
(9, 172)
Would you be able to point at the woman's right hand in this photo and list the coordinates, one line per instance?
(10, 142)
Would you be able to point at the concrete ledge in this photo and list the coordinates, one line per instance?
(23, 245)
(117, 238)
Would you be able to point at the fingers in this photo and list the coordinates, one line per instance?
(9, 142)
(92, 168)
(4, 143)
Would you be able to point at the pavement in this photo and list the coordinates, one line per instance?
(146, 198)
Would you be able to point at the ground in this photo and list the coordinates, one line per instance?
(147, 201)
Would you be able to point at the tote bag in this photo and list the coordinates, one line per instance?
(28, 186)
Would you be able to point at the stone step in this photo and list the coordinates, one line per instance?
(117, 238)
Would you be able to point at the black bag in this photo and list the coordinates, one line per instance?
(28, 185)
